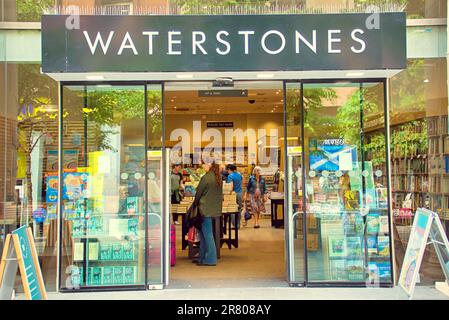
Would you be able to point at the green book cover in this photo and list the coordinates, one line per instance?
(133, 226)
(354, 246)
(128, 250)
(108, 275)
(355, 270)
(132, 205)
(117, 251)
(105, 251)
(372, 223)
(130, 275)
(118, 275)
(97, 276)
(76, 276)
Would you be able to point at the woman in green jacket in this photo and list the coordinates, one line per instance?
(209, 199)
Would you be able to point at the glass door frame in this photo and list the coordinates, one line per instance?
(289, 218)
(164, 251)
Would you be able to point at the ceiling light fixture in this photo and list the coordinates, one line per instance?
(426, 80)
(95, 77)
(184, 76)
(354, 74)
(265, 75)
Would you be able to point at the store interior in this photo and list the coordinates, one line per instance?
(199, 111)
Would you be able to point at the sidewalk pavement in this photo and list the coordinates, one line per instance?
(267, 293)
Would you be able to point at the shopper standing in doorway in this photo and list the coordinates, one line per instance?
(175, 187)
(235, 178)
(256, 189)
(209, 200)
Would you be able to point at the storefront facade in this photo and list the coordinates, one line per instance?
(139, 56)
(311, 53)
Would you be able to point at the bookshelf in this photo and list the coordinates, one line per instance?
(423, 171)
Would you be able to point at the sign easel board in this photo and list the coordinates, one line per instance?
(426, 225)
(20, 253)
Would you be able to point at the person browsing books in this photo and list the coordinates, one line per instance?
(256, 189)
(209, 200)
(235, 178)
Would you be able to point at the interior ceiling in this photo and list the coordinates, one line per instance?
(257, 101)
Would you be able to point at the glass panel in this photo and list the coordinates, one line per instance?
(347, 198)
(103, 207)
(419, 153)
(155, 190)
(295, 185)
(29, 133)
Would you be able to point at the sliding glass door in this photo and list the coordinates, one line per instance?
(110, 186)
(345, 213)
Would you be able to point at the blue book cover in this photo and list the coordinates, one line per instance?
(372, 245)
(383, 246)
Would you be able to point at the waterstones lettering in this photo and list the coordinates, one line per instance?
(223, 43)
(223, 46)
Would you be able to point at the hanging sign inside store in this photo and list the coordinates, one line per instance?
(355, 41)
(222, 93)
(426, 226)
(220, 124)
(20, 253)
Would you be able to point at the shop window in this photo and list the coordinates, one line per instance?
(419, 152)
(29, 142)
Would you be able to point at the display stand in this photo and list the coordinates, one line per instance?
(20, 254)
(427, 229)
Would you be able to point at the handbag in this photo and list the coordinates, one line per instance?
(192, 236)
(247, 215)
(194, 217)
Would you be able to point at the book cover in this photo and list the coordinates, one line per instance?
(373, 272)
(97, 276)
(384, 270)
(108, 275)
(338, 270)
(356, 270)
(349, 222)
(383, 246)
(351, 200)
(132, 205)
(117, 251)
(76, 276)
(372, 223)
(370, 198)
(371, 242)
(383, 224)
(337, 246)
(105, 251)
(128, 250)
(354, 246)
(94, 248)
(382, 198)
(118, 275)
(129, 276)
(78, 251)
(133, 226)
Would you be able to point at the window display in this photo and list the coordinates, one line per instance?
(103, 195)
(345, 192)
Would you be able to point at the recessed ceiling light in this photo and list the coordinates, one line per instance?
(95, 78)
(426, 80)
(265, 75)
(354, 74)
(184, 76)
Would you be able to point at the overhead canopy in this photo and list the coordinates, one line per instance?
(241, 46)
